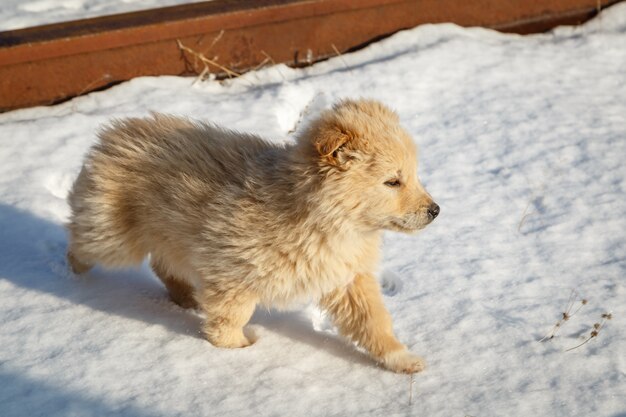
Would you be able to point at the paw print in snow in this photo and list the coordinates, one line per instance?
(390, 283)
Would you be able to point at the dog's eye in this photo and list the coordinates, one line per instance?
(393, 183)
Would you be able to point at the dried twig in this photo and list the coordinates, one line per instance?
(345, 64)
(262, 64)
(206, 61)
(595, 330)
(566, 315)
(411, 381)
(537, 195)
(89, 86)
(267, 56)
(525, 215)
(216, 39)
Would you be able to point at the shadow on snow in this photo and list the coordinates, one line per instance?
(32, 255)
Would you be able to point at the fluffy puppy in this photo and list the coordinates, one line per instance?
(231, 220)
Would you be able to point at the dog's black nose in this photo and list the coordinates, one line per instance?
(433, 210)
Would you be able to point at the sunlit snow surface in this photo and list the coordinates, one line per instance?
(523, 144)
(19, 14)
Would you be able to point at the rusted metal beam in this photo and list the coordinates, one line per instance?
(48, 64)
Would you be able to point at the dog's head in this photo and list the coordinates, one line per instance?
(368, 165)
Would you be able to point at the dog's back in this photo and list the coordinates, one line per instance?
(143, 183)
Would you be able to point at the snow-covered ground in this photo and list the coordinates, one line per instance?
(19, 14)
(523, 142)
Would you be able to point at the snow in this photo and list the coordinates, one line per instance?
(522, 145)
(19, 14)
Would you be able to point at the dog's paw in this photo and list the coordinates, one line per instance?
(232, 342)
(403, 361)
(239, 343)
(230, 339)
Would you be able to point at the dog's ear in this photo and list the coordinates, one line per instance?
(338, 145)
(329, 143)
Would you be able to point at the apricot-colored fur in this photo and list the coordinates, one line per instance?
(231, 221)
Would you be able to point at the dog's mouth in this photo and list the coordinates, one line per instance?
(402, 226)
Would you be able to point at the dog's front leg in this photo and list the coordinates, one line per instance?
(359, 313)
(227, 311)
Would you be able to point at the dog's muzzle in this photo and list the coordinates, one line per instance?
(433, 211)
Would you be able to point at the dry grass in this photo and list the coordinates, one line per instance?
(570, 310)
(271, 60)
(595, 330)
(206, 61)
(340, 56)
(199, 58)
(549, 177)
(203, 65)
(574, 299)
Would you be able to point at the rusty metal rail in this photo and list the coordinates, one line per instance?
(49, 64)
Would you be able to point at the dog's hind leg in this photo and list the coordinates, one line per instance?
(359, 313)
(78, 266)
(227, 311)
(180, 291)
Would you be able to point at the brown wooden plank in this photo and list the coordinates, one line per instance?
(51, 63)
